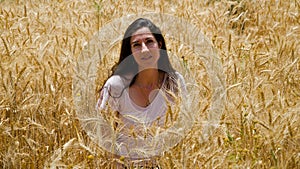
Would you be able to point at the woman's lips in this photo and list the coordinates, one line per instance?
(146, 57)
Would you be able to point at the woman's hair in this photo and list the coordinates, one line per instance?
(127, 64)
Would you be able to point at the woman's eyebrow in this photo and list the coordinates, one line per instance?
(135, 42)
(151, 38)
(138, 40)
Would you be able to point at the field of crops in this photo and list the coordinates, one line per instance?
(257, 43)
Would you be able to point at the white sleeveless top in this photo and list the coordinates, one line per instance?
(115, 94)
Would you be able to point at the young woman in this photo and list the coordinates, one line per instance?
(142, 88)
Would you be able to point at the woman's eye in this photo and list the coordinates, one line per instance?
(150, 43)
(136, 45)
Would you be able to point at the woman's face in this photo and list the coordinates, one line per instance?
(145, 48)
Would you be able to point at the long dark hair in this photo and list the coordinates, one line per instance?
(127, 64)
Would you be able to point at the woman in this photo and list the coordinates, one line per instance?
(142, 88)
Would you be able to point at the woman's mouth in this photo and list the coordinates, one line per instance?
(146, 57)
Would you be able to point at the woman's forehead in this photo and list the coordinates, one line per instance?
(143, 30)
(141, 33)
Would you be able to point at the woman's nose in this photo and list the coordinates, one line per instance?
(144, 48)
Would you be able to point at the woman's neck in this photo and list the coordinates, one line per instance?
(149, 77)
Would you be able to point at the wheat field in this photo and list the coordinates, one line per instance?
(257, 43)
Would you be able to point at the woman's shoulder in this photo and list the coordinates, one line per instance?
(114, 80)
(116, 84)
(181, 82)
(179, 76)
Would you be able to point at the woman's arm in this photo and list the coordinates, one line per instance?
(111, 94)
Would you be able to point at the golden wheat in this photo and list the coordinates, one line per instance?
(257, 42)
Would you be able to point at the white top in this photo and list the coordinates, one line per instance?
(115, 93)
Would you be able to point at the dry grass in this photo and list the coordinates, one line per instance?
(257, 43)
